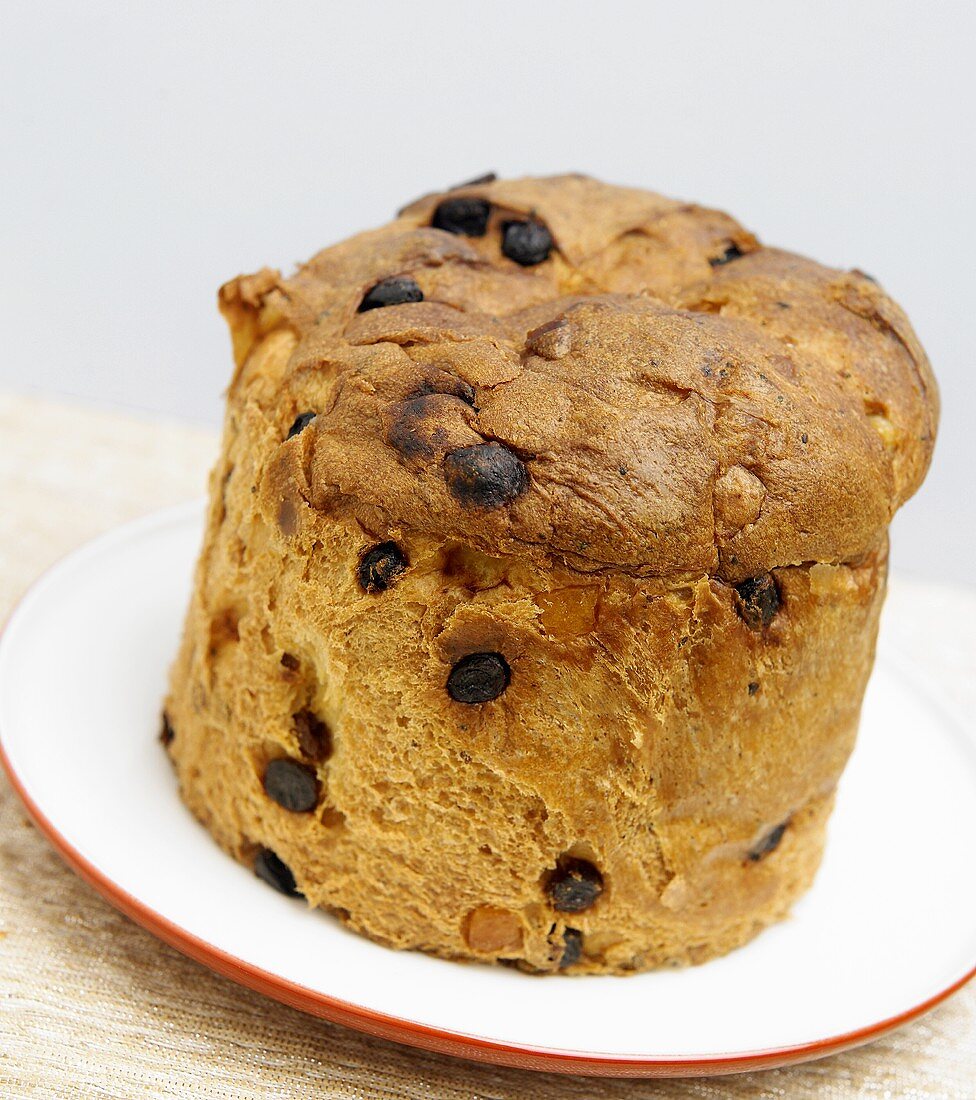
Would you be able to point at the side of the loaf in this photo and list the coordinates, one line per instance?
(649, 786)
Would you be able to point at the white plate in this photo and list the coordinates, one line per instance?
(887, 931)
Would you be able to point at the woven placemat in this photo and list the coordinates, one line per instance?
(92, 1006)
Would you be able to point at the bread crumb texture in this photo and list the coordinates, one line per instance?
(542, 574)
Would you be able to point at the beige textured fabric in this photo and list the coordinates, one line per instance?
(92, 1006)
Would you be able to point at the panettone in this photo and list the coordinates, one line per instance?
(542, 573)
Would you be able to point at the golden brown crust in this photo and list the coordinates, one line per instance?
(644, 484)
(647, 728)
(634, 379)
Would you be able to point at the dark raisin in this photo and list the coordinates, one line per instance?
(574, 886)
(300, 423)
(479, 678)
(290, 661)
(732, 252)
(380, 567)
(485, 475)
(291, 784)
(166, 732)
(391, 292)
(467, 217)
(527, 243)
(269, 868)
(758, 600)
(769, 843)
(753, 687)
(572, 947)
(312, 734)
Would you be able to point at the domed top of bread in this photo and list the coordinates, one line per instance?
(559, 367)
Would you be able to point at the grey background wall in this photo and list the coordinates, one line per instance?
(150, 151)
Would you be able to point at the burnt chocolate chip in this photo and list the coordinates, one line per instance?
(732, 252)
(572, 947)
(270, 869)
(485, 475)
(467, 217)
(416, 424)
(412, 424)
(574, 886)
(292, 785)
(166, 732)
(391, 292)
(300, 423)
(758, 600)
(380, 567)
(479, 678)
(527, 243)
(769, 843)
(312, 734)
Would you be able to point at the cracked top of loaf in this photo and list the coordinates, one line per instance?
(562, 368)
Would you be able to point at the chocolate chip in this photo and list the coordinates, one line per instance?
(290, 661)
(769, 843)
(312, 734)
(166, 733)
(467, 217)
(292, 785)
(572, 947)
(753, 688)
(269, 868)
(479, 678)
(527, 243)
(574, 886)
(732, 252)
(300, 423)
(380, 567)
(758, 600)
(485, 475)
(391, 292)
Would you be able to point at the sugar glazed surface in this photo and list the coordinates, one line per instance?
(542, 573)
